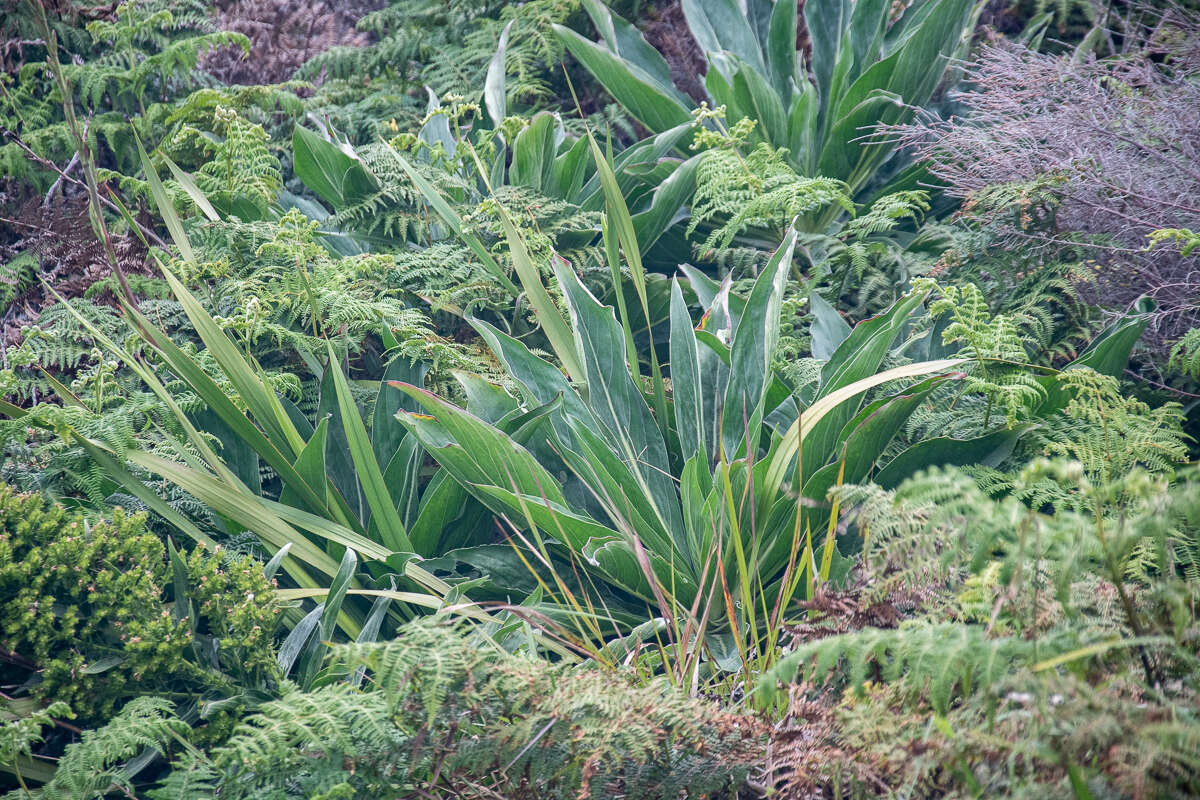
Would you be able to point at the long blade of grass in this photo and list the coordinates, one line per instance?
(135, 487)
(555, 328)
(250, 511)
(619, 218)
(831, 532)
(261, 402)
(613, 254)
(452, 220)
(310, 663)
(1097, 649)
(217, 401)
(790, 445)
(151, 380)
(241, 507)
(193, 191)
(258, 398)
(163, 201)
(415, 598)
(383, 510)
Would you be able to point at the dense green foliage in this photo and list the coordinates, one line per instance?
(709, 398)
(88, 608)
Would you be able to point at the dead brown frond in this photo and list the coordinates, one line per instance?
(1085, 156)
(283, 35)
(69, 258)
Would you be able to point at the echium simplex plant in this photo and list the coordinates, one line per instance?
(692, 512)
(864, 67)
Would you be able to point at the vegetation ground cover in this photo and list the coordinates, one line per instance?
(709, 398)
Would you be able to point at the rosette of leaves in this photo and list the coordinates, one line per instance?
(678, 507)
(815, 83)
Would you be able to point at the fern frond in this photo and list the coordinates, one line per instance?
(91, 767)
(1185, 354)
(736, 193)
(945, 661)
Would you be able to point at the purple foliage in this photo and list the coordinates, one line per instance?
(1052, 151)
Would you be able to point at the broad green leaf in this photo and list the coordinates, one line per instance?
(646, 153)
(828, 330)
(619, 221)
(339, 462)
(540, 380)
(243, 508)
(756, 97)
(552, 323)
(887, 91)
(857, 357)
(442, 502)
(686, 383)
(236, 452)
(863, 441)
(1109, 352)
(297, 638)
(627, 42)
(328, 530)
(781, 50)
(719, 83)
(436, 130)
(803, 134)
(494, 92)
(474, 452)
(927, 48)
(214, 398)
(618, 490)
(652, 103)
(826, 22)
(614, 398)
(845, 154)
(403, 479)
(332, 170)
(310, 466)
(752, 352)
(414, 598)
(272, 566)
(205, 388)
(533, 154)
(486, 400)
(370, 633)
(667, 205)
(386, 433)
(781, 461)
(722, 25)
(585, 537)
(570, 171)
(987, 450)
(391, 529)
(864, 37)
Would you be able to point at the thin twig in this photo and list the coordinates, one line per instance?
(16, 139)
(81, 148)
(61, 177)
(1158, 385)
